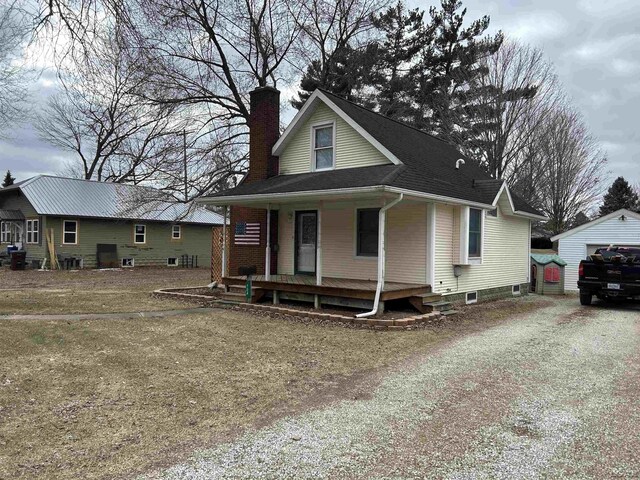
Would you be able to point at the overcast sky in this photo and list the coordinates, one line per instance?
(594, 44)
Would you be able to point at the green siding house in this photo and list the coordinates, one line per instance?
(131, 226)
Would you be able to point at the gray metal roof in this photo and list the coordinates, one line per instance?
(70, 197)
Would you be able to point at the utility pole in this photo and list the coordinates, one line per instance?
(184, 147)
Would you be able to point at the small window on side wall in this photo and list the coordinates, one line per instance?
(128, 262)
(139, 234)
(176, 232)
(367, 232)
(515, 289)
(70, 232)
(475, 233)
(172, 262)
(323, 148)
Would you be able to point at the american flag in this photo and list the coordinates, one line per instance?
(247, 233)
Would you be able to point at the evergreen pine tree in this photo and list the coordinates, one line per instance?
(404, 37)
(448, 65)
(620, 195)
(8, 179)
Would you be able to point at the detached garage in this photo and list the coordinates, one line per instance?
(620, 228)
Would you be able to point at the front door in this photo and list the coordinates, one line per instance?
(306, 237)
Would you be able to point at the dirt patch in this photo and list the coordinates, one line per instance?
(110, 398)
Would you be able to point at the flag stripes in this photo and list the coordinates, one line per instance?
(247, 233)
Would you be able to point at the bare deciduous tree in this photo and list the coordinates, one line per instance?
(13, 33)
(565, 170)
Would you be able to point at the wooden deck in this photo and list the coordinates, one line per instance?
(333, 287)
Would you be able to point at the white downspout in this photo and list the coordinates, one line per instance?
(224, 242)
(382, 216)
(267, 254)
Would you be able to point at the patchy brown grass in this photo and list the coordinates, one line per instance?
(109, 398)
(93, 291)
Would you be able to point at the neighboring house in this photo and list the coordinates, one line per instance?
(620, 228)
(130, 225)
(353, 195)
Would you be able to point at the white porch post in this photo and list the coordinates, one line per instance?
(431, 245)
(267, 260)
(319, 247)
(224, 242)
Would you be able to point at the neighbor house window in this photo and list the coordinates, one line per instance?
(33, 231)
(367, 232)
(70, 232)
(475, 232)
(5, 232)
(323, 148)
(172, 262)
(139, 234)
(176, 232)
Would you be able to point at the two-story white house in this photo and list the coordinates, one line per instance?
(350, 206)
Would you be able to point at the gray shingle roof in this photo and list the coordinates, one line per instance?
(70, 197)
(428, 166)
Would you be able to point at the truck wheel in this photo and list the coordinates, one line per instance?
(585, 298)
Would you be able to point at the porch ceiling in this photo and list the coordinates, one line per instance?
(11, 215)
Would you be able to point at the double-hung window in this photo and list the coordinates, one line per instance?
(70, 232)
(5, 232)
(367, 232)
(33, 231)
(139, 234)
(323, 147)
(176, 232)
(475, 233)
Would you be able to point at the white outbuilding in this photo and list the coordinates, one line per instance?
(620, 228)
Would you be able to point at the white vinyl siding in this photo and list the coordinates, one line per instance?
(505, 259)
(576, 247)
(350, 150)
(406, 242)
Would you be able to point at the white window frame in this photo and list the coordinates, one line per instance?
(135, 234)
(126, 260)
(173, 232)
(473, 300)
(174, 264)
(515, 289)
(315, 127)
(64, 232)
(5, 232)
(33, 231)
(476, 258)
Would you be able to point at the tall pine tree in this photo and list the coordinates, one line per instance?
(444, 76)
(8, 179)
(620, 195)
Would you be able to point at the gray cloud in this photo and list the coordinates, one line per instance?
(595, 46)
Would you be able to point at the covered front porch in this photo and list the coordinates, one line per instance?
(358, 250)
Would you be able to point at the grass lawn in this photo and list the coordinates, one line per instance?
(111, 398)
(93, 291)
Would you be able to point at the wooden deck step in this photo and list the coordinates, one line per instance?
(448, 313)
(424, 302)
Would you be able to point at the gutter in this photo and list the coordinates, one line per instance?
(382, 215)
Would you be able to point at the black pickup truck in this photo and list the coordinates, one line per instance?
(612, 272)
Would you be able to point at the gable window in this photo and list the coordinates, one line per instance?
(475, 233)
(323, 147)
(33, 231)
(70, 232)
(176, 232)
(367, 232)
(139, 234)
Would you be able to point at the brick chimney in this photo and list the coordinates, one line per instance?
(264, 131)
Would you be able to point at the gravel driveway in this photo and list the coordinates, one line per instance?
(548, 394)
